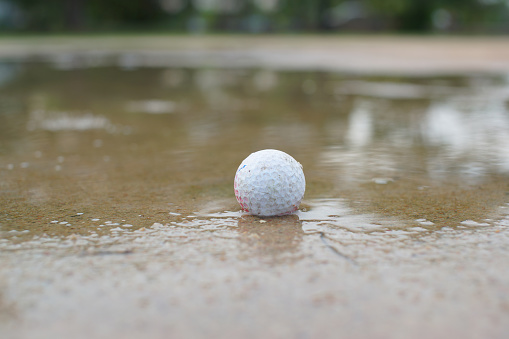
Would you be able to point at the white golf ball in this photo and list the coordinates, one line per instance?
(269, 183)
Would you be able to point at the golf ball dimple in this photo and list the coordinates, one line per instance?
(269, 183)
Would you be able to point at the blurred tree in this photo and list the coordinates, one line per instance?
(322, 7)
(39, 15)
(57, 15)
(75, 14)
(407, 15)
(418, 15)
(123, 14)
(260, 15)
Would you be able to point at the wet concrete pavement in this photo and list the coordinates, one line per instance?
(118, 217)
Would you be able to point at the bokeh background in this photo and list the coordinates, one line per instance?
(256, 16)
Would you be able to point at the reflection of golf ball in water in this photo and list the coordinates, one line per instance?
(269, 182)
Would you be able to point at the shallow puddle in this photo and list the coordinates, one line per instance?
(116, 195)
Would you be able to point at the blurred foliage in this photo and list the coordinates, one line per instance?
(197, 16)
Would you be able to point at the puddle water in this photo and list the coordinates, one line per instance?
(117, 195)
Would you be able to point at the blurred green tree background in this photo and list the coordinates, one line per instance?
(255, 16)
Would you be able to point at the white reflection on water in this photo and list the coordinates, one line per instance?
(65, 61)
(466, 133)
(66, 121)
(151, 106)
(388, 90)
(360, 125)
(446, 125)
(326, 213)
(353, 165)
(476, 129)
(318, 215)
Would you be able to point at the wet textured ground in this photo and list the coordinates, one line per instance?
(118, 217)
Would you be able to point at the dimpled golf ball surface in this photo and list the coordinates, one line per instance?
(269, 183)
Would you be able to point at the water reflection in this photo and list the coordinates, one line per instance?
(476, 132)
(460, 131)
(65, 121)
(274, 240)
(360, 126)
(400, 146)
(101, 196)
(322, 214)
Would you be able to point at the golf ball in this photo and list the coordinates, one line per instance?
(269, 183)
